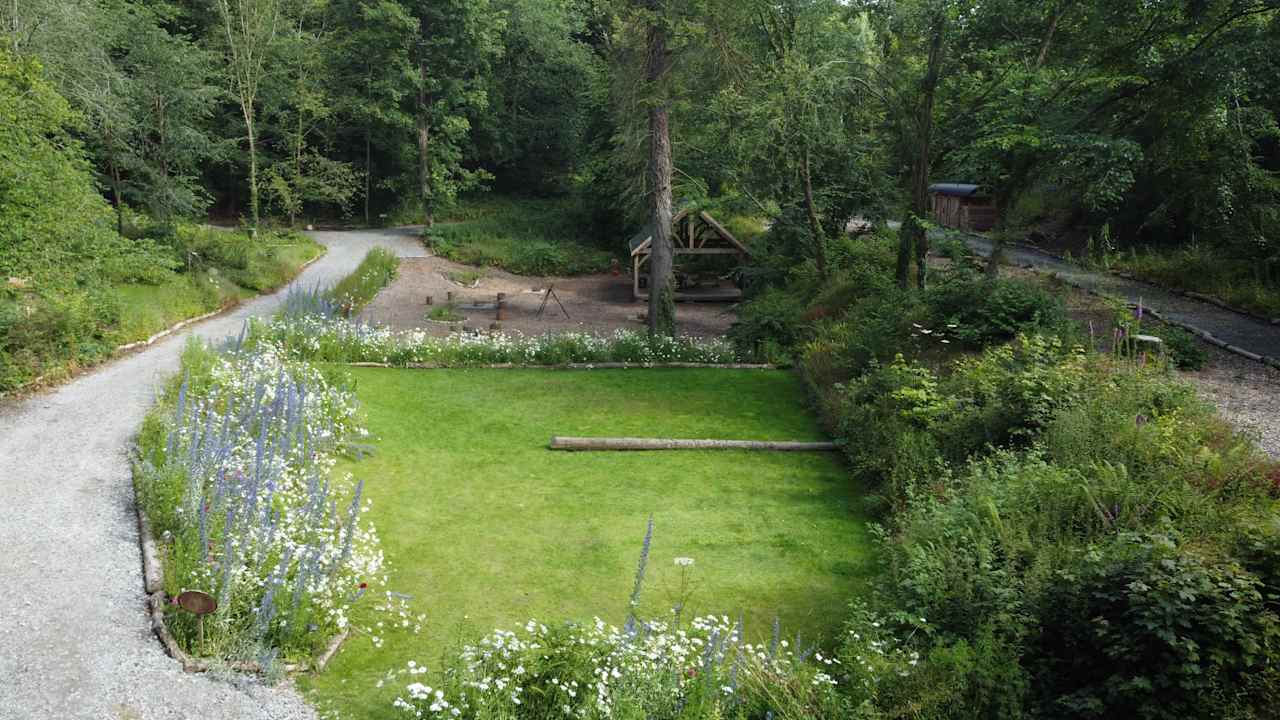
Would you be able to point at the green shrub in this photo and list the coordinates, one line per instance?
(983, 312)
(873, 330)
(898, 668)
(769, 325)
(1185, 350)
(901, 422)
(1149, 626)
(883, 421)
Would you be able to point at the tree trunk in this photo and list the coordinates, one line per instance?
(815, 228)
(296, 205)
(116, 198)
(115, 195)
(661, 285)
(253, 166)
(424, 149)
(166, 211)
(368, 171)
(913, 233)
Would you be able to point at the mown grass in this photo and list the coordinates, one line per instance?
(486, 528)
(521, 235)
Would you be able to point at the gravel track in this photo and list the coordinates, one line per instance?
(74, 634)
(1254, 335)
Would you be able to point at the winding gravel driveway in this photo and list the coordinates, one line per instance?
(74, 635)
(1254, 335)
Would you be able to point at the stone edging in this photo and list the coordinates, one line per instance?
(153, 584)
(191, 321)
(571, 366)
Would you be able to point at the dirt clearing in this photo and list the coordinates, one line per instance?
(598, 304)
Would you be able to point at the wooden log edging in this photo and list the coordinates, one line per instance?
(570, 366)
(153, 584)
(622, 444)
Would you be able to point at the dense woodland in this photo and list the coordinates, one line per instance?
(1062, 531)
(1130, 124)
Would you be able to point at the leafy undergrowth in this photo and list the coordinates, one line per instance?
(1065, 532)
(523, 236)
(486, 528)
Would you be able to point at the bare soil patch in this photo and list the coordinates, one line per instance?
(595, 303)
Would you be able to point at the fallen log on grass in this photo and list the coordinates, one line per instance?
(579, 444)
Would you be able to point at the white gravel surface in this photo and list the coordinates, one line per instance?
(74, 634)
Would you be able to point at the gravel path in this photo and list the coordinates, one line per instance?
(1242, 331)
(1247, 394)
(74, 635)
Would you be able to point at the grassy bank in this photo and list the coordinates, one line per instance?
(148, 308)
(1241, 283)
(57, 321)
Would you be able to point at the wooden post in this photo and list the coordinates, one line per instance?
(449, 297)
(429, 300)
(501, 305)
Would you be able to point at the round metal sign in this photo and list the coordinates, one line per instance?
(197, 602)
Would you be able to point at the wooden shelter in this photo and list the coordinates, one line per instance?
(693, 234)
(962, 206)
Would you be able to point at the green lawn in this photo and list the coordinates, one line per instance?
(486, 528)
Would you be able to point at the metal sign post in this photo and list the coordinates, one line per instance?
(198, 604)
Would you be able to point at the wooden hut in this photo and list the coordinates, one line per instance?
(694, 234)
(962, 206)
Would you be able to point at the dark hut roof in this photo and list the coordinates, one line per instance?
(957, 189)
(641, 237)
